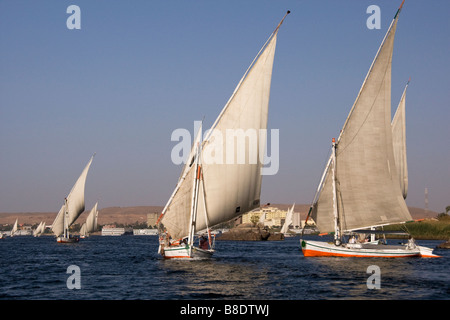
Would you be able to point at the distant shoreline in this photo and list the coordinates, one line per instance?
(131, 215)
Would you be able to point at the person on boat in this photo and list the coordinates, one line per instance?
(203, 243)
(411, 243)
(352, 239)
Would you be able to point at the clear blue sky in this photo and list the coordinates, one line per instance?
(137, 70)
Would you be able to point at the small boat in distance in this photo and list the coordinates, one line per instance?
(71, 209)
(91, 223)
(287, 222)
(39, 230)
(14, 228)
(359, 191)
(208, 192)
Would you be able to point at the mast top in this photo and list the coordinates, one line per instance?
(281, 22)
(399, 9)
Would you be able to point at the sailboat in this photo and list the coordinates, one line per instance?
(359, 190)
(71, 209)
(288, 222)
(14, 228)
(39, 230)
(91, 223)
(210, 192)
(262, 219)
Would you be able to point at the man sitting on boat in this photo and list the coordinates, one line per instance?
(203, 242)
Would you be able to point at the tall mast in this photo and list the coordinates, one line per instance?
(66, 218)
(194, 204)
(337, 233)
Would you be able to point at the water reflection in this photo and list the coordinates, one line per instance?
(214, 279)
(130, 268)
(404, 278)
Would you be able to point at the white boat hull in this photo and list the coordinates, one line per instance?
(328, 249)
(182, 252)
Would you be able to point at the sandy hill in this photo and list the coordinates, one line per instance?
(124, 215)
(129, 215)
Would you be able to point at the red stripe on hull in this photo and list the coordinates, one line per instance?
(314, 253)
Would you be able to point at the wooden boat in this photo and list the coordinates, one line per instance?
(359, 190)
(212, 192)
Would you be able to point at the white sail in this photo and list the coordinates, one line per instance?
(262, 218)
(75, 199)
(91, 222)
(83, 230)
(40, 229)
(367, 187)
(36, 231)
(74, 204)
(15, 228)
(229, 188)
(288, 220)
(58, 224)
(399, 140)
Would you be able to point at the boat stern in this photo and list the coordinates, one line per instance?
(427, 252)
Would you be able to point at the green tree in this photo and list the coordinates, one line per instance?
(254, 219)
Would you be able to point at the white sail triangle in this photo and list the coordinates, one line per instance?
(39, 230)
(14, 228)
(288, 220)
(91, 222)
(399, 141)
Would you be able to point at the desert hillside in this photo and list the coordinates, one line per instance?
(129, 215)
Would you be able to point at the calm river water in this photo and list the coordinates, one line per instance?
(129, 268)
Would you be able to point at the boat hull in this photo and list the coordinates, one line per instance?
(326, 249)
(182, 252)
(67, 240)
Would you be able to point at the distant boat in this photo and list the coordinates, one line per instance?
(71, 209)
(14, 229)
(145, 232)
(39, 230)
(262, 219)
(288, 222)
(359, 190)
(91, 223)
(207, 193)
